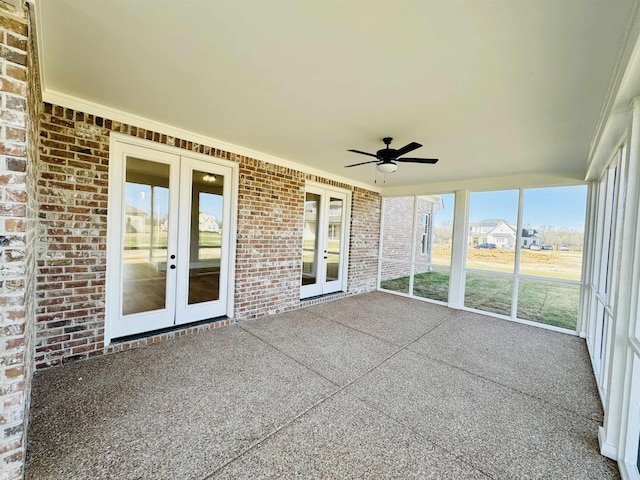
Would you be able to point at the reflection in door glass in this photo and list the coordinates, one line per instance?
(310, 238)
(334, 236)
(146, 211)
(205, 237)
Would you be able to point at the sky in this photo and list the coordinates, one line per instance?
(139, 196)
(211, 204)
(558, 207)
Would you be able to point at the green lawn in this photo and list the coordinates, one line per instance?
(143, 240)
(491, 293)
(549, 302)
(433, 285)
(540, 301)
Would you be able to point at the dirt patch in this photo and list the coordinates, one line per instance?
(547, 263)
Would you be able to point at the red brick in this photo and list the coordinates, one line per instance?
(266, 248)
(13, 86)
(16, 72)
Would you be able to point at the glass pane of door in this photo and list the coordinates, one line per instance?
(334, 239)
(310, 239)
(144, 258)
(205, 237)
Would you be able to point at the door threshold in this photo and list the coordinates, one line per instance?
(174, 331)
(327, 297)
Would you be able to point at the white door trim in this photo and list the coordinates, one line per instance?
(186, 313)
(115, 224)
(322, 286)
(114, 229)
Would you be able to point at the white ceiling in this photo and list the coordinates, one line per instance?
(494, 88)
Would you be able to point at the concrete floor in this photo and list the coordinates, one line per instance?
(371, 386)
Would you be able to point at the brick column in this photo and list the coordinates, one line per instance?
(17, 236)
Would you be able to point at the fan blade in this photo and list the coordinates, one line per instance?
(408, 148)
(363, 153)
(363, 163)
(417, 160)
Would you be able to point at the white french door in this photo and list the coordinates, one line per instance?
(169, 239)
(325, 242)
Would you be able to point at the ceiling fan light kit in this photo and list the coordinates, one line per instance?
(386, 158)
(389, 167)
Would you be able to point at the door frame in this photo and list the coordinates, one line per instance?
(190, 164)
(325, 191)
(112, 288)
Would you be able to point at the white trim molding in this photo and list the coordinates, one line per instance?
(620, 376)
(75, 103)
(180, 158)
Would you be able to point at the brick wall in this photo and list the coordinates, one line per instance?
(269, 245)
(74, 156)
(20, 98)
(397, 236)
(364, 244)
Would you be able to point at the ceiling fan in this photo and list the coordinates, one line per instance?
(386, 158)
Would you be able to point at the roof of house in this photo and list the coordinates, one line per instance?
(131, 210)
(527, 232)
(491, 223)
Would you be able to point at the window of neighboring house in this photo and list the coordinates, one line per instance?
(426, 234)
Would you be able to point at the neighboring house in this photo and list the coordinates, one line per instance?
(311, 217)
(400, 229)
(135, 219)
(208, 223)
(496, 231)
(501, 233)
(530, 237)
(310, 220)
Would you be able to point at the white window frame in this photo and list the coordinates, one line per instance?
(322, 286)
(412, 261)
(458, 269)
(619, 375)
